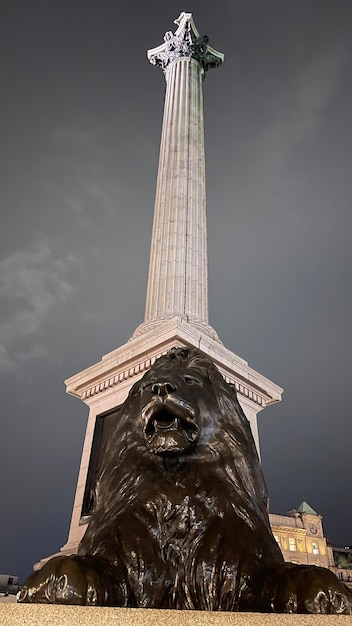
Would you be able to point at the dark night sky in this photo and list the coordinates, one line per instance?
(81, 112)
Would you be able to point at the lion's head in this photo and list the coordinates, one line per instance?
(172, 398)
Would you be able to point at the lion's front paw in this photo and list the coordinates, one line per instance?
(73, 580)
(310, 589)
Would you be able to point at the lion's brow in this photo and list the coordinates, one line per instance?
(199, 364)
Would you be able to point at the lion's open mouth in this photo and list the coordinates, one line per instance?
(170, 426)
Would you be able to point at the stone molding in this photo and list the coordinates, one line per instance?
(145, 365)
(299, 532)
(133, 358)
(284, 520)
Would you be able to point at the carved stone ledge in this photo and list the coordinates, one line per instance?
(144, 365)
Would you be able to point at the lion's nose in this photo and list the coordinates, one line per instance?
(163, 388)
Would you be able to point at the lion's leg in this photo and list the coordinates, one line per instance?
(311, 589)
(84, 580)
(290, 588)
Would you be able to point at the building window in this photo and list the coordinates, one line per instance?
(315, 548)
(292, 544)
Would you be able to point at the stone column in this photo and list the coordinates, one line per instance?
(178, 275)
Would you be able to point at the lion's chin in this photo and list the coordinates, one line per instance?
(169, 443)
(170, 426)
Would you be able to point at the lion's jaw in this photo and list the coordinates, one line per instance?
(170, 426)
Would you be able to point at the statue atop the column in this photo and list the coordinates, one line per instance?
(180, 516)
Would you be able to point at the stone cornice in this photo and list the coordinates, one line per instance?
(131, 372)
(284, 520)
(288, 530)
(133, 358)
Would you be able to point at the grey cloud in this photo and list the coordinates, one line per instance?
(99, 193)
(70, 135)
(75, 204)
(87, 198)
(298, 111)
(32, 282)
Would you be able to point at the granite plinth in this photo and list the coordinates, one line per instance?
(56, 615)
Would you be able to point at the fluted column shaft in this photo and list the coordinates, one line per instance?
(178, 281)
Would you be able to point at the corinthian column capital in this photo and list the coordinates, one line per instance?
(185, 43)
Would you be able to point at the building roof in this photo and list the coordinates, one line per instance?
(305, 508)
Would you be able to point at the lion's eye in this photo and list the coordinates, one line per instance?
(191, 380)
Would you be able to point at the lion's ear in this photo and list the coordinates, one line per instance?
(233, 390)
(135, 388)
(234, 395)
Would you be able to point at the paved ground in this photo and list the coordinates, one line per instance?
(55, 615)
(7, 598)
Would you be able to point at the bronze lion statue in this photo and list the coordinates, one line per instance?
(180, 517)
